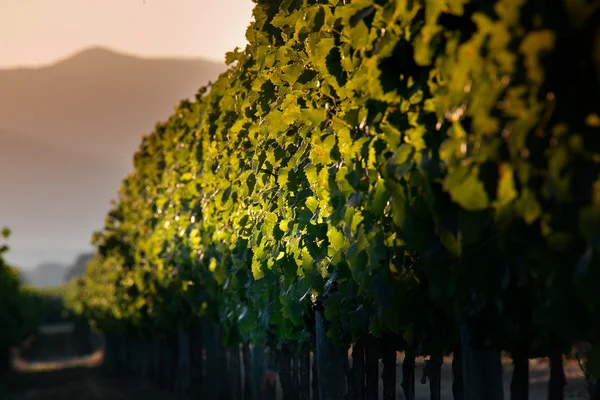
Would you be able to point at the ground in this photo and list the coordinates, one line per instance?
(58, 371)
(538, 381)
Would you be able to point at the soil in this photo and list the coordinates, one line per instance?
(58, 369)
(539, 374)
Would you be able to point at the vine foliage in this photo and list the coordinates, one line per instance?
(409, 164)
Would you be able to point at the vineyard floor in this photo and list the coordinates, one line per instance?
(539, 374)
(58, 371)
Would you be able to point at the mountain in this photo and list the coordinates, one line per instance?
(97, 102)
(77, 269)
(68, 132)
(46, 275)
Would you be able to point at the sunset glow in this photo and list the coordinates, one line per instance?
(40, 31)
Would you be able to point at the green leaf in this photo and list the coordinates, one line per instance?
(529, 207)
(589, 223)
(452, 242)
(269, 222)
(359, 35)
(292, 72)
(336, 238)
(332, 307)
(311, 174)
(312, 203)
(506, 186)
(466, 189)
(233, 56)
(321, 152)
(320, 52)
(345, 144)
(307, 260)
(380, 197)
(399, 202)
(314, 115)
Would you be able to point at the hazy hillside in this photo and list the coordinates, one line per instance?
(77, 269)
(67, 135)
(55, 274)
(45, 275)
(98, 102)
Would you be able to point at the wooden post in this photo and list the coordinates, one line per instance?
(211, 343)
(124, 340)
(109, 353)
(172, 355)
(358, 370)
(457, 374)
(330, 363)
(295, 360)
(221, 365)
(315, 375)
(271, 384)
(372, 370)
(284, 368)
(145, 357)
(197, 361)
(556, 385)
(165, 363)
(304, 366)
(234, 373)
(184, 362)
(156, 361)
(122, 349)
(5, 361)
(482, 369)
(408, 374)
(106, 348)
(389, 371)
(259, 367)
(247, 360)
(161, 362)
(135, 354)
(434, 373)
(519, 385)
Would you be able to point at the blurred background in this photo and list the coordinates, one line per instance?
(80, 82)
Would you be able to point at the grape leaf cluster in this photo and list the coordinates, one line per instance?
(408, 164)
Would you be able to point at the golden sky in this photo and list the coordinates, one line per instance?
(38, 32)
(42, 31)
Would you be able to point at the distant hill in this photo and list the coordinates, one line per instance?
(68, 132)
(49, 274)
(45, 275)
(77, 269)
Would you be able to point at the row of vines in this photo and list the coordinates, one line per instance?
(22, 309)
(401, 175)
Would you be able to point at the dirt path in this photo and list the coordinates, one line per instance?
(58, 371)
(539, 374)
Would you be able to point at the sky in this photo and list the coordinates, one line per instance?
(34, 32)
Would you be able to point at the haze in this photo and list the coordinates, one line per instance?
(42, 31)
(80, 82)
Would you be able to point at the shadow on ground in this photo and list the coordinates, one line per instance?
(59, 370)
